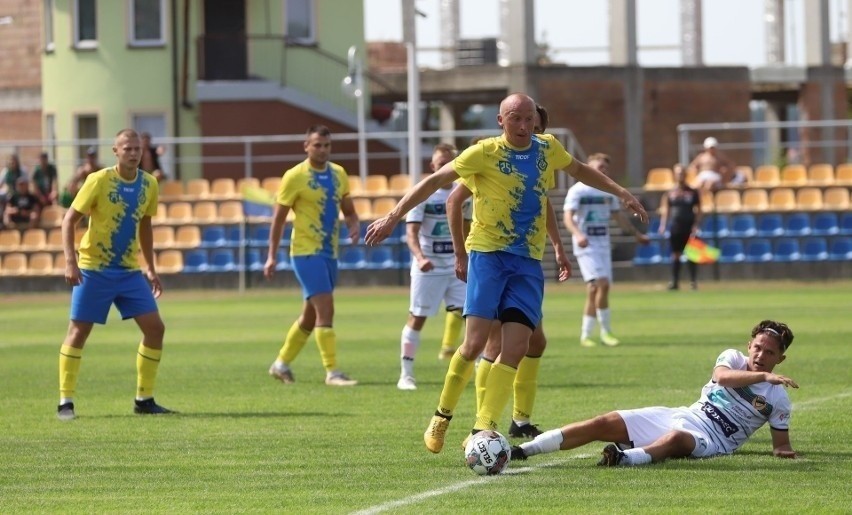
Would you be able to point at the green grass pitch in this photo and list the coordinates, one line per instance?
(244, 443)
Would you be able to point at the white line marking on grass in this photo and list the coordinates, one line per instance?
(810, 402)
(413, 499)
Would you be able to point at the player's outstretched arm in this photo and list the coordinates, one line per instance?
(781, 447)
(594, 178)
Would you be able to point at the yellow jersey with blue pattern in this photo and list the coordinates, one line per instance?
(314, 196)
(115, 207)
(509, 188)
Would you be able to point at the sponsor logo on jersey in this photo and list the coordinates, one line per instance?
(719, 418)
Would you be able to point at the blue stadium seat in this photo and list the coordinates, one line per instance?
(398, 234)
(825, 224)
(343, 235)
(287, 234)
(213, 236)
(282, 259)
(797, 224)
(380, 258)
(770, 224)
(404, 257)
(815, 249)
(647, 254)
(714, 225)
(654, 228)
(252, 209)
(254, 260)
(258, 235)
(743, 225)
(732, 251)
(352, 258)
(846, 223)
(758, 250)
(222, 260)
(841, 249)
(195, 261)
(232, 236)
(787, 249)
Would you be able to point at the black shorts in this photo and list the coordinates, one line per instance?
(678, 240)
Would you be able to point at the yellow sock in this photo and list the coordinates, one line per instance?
(497, 391)
(293, 343)
(453, 325)
(327, 343)
(147, 361)
(69, 369)
(458, 375)
(526, 386)
(481, 379)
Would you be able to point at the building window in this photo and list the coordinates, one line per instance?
(300, 21)
(48, 25)
(86, 126)
(85, 24)
(147, 22)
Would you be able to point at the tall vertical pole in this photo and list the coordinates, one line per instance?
(409, 36)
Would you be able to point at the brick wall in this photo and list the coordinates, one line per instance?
(21, 45)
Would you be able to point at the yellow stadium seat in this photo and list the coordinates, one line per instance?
(54, 239)
(197, 189)
(188, 237)
(766, 176)
(383, 206)
(223, 188)
(179, 213)
(59, 263)
(836, 198)
(14, 264)
(364, 208)
(356, 187)
(794, 175)
(755, 199)
(40, 263)
(162, 215)
(170, 262)
(782, 199)
(205, 212)
(164, 236)
(659, 179)
(10, 239)
(809, 199)
(821, 175)
(708, 203)
(248, 182)
(399, 184)
(51, 216)
(843, 174)
(171, 190)
(34, 239)
(728, 201)
(271, 184)
(376, 185)
(231, 211)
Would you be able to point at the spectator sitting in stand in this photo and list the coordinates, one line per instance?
(45, 180)
(89, 166)
(715, 170)
(8, 178)
(23, 208)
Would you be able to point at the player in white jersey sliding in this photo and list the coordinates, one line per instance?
(586, 214)
(433, 276)
(743, 394)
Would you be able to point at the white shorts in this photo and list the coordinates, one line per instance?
(427, 292)
(646, 425)
(709, 176)
(595, 264)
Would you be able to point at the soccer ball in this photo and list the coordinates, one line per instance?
(487, 453)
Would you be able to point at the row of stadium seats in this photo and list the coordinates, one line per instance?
(835, 198)
(759, 250)
(746, 225)
(765, 176)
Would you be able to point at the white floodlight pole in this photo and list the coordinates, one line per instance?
(353, 85)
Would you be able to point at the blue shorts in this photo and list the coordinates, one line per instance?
(497, 281)
(127, 289)
(317, 274)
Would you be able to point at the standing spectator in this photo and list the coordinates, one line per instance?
(23, 208)
(509, 176)
(317, 190)
(45, 179)
(587, 212)
(150, 157)
(119, 201)
(715, 170)
(89, 166)
(682, 207)
(433, 276)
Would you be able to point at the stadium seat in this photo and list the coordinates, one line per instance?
(14, 263)
(195, 261)
(770, 224)
(707, 202)
(356, 187)
(233, 236)
(654, 228)
(54, 239)
(231, 212)
(187, 237)
(380, 258)
(728, 201)
(403, 259)
(179, 213)
(647, 254)
(282, 259)
(258, 235)
(205, 212)
(170, 262)
(794, 175)
(271, 184)
(376, 185)
(797, 224)
(247, 182)
(51, 216)
(825, 224)
(254, 260)
(843, 174)
(162, 215)
(782, 199)
(659, 179)
(33, 239)
(399, 184)
(352, 258)
(10, 239)
(731, 251)
(164, 236)
(714, 225)
(846, 223)
(287, 234)
(820, 175)
(256, 212)
(196, 189)
(213, 236)
(758, 250)
(809, 199)
(343, 235)
(383, 206)
(766, 176)
(814, 249)
(755, 200)
(223, 188)
(364, 208)
(59, 263)
(786, 249)
(841, 249)
(40, 263)
(171, 190)
(222, 260)
(836, 199)
(743, 225)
